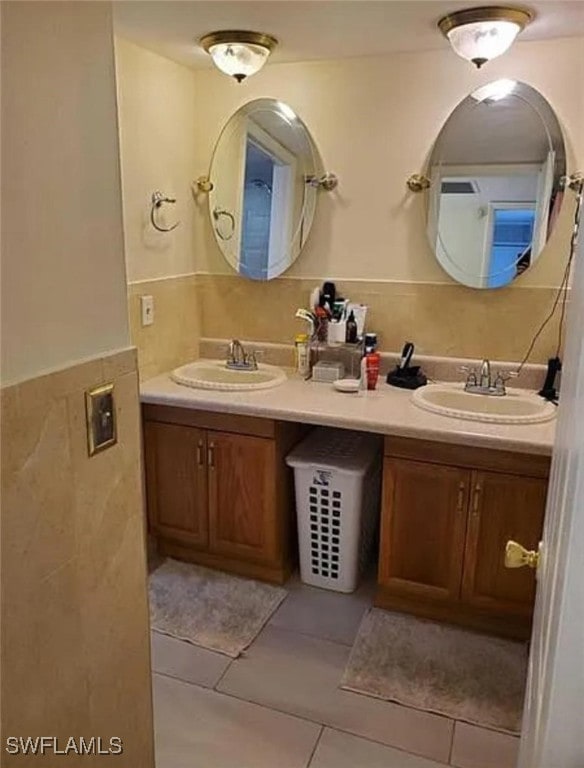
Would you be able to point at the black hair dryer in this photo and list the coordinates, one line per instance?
(548, 391)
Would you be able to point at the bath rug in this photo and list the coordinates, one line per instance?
(438, 668)
(211, 609)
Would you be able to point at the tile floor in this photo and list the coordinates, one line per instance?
(279, 704)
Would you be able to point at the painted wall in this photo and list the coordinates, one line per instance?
(75, 652)
(63, 272)
(158, 114)
(374, 120)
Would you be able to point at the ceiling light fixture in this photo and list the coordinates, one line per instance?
(481, 34)
(238, 53)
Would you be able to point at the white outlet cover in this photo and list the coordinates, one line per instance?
(147, 305)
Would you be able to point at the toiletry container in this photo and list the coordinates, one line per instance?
(302, 354)
(351, 336)
(337, 332)
(322, 321)
(370, 342)
(328, 371)
(372, 362)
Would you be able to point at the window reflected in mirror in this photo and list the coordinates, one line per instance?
(495, 192)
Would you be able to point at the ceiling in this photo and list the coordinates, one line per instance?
(317, 29)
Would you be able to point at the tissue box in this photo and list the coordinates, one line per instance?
(328, 371)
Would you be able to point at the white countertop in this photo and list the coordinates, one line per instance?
(386, 410)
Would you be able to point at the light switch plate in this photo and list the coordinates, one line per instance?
(147, 306)
(100, 411)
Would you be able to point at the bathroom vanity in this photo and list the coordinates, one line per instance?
(218, 490)
(447, 514)
(219, 493)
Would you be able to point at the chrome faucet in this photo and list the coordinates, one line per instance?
(485, 375)
(483, 383)
(239, 359)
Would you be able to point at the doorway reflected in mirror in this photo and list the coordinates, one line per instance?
(261, 170)
(495, 193)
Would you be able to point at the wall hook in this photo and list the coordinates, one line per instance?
(157, 200)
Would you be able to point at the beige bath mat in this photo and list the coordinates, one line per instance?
(208, 608)
(438, 668)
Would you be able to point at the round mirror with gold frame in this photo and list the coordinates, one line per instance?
(495, 184)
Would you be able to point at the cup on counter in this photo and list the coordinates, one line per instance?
(337, 332)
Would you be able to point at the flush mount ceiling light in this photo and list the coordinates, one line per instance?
(238, 53)
(481, 34)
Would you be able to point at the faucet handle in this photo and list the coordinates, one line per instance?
(253, 357)
(471, 378)
(506, 375)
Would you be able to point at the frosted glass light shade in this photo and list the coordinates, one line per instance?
(483, 40)
(239, 60)
(238, 53)
(481, 34)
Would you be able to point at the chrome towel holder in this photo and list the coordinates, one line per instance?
(157, 200)
(217, 213)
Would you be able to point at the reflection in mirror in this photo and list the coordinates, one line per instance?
(495, 190)
(262, 203)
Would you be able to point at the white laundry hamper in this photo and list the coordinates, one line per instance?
(337, 476)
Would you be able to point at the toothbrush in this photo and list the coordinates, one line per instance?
(304, 314)
(314, 298)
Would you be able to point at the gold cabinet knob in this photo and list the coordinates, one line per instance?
(517, 556)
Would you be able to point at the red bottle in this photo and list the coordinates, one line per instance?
(372, 360)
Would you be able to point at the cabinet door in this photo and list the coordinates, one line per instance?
(176, 482)
(502, 507)
(242, 515)
(423, 529)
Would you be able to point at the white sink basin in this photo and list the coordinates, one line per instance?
(214, 374)
(518, 406)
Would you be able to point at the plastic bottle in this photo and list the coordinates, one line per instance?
(363, 373)
(372, 361)
(322, 320)
(302, 354)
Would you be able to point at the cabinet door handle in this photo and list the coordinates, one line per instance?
(476, 499)
(460, 503)
(211, 456)
(200, 456)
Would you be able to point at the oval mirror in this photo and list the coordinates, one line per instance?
(262, 203)
(495, 190)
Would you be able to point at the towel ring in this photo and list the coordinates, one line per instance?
(217, 213)
(157, 200)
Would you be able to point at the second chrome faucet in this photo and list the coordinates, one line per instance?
(239, 359)
(482, 383)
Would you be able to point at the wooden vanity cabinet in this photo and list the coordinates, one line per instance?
(447, 514)
(176, 482)
(503, 507)
(218, 490)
